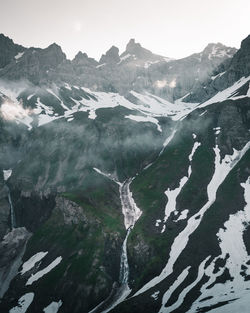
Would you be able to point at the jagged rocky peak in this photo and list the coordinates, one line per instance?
(240, 65)
(245, 44)
(83, 59)
(218, 50)
(111, 56)
(54, 53)
(136, 51)
(8, 50)
(134, 48)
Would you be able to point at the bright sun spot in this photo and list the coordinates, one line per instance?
(173, 83)
(164, 83)
(11, 111)
(77, 26)
(160, 83)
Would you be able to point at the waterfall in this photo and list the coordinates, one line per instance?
(131, 214)
(124, 268)
(12, 212)
(6, 176)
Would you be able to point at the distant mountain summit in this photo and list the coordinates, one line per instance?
(8, 50)
(111, 56)
(137, 68)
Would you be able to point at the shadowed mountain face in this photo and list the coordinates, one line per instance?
(124, 183)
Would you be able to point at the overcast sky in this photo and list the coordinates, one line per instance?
(175, 28)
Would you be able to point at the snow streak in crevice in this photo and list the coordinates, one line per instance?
(234, 251)
(222, 169)
(173, 194)
(184, 292)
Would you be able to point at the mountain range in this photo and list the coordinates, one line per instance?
(125, 183)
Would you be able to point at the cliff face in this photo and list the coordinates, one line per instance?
(118, 194)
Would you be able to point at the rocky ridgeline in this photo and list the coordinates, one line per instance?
(135, 69)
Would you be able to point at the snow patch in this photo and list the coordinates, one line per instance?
(23, 303)
(46, 270)
(222, 169)
(183, 215)
(173, 194)
(149, 119)
(7, 174)
(233, 248)
(28, 265)
(53, 307)
(227, 93)
(19, 55)
(155, 295)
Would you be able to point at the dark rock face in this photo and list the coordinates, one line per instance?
(12, 248)
(226, 74)
(32, 209)
(139, 52)
(35, 65)
(8, 50)
(111, 56)
(4, 210)
(135, 69)
(82, 59)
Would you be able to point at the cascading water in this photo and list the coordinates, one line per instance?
(124, 268)
(6, 175)
(131, 214)
(12, 212)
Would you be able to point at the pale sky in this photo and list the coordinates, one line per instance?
(175, 28)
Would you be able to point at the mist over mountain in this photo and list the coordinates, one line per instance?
(125, 182)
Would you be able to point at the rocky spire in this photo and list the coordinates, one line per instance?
(111, 56)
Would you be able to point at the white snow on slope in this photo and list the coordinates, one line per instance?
(56, 96)
(30, 96)
(222, 169)
(23, 303)
(13, 92)
(184, 292)
(149, 105)
(235, 97)
(19, 55)
(183, 215)
(176, 284)
(219, 53)
(53, 307)
(29, 264)
(240, 305)
(231, 243)
(109, 176)
(157, 106)
(145, 119)
(100, 65)
(173, 194)
(46, 270)
(225, 94)
(218, 75)
(7, 174)
(125, 57)
(155, 295)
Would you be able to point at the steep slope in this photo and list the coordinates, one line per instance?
(133, 203)
(227, 74)
(9, 51)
